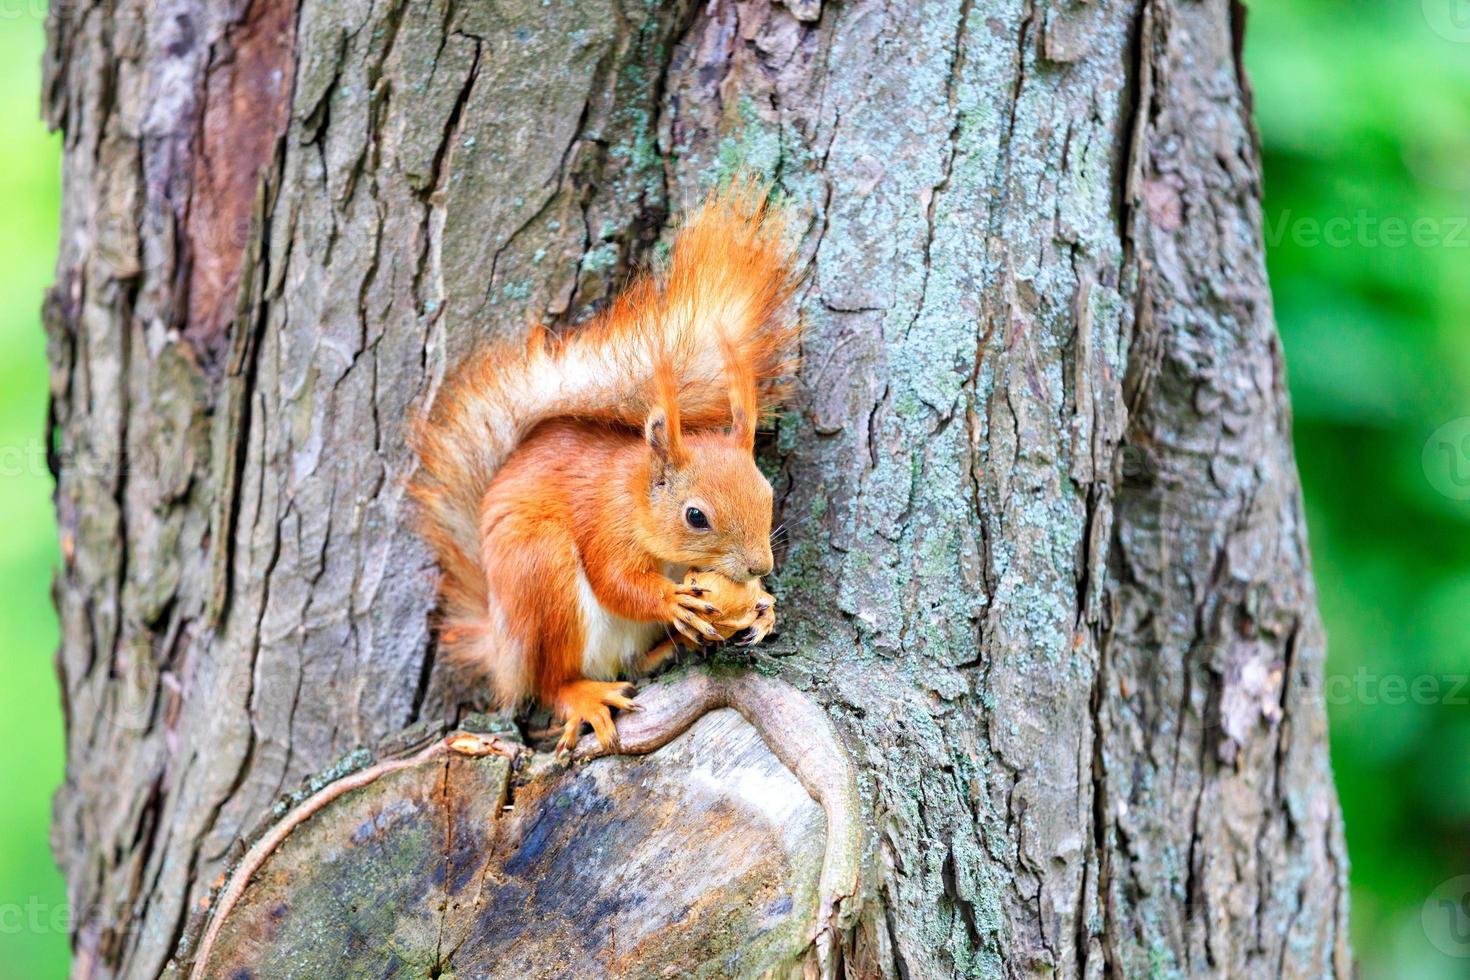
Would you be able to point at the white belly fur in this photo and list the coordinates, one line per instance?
(612, 642)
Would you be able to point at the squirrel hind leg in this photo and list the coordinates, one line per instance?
(531, 569)
(655, 658)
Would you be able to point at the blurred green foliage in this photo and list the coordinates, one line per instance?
(1364, 112)
(33, 917)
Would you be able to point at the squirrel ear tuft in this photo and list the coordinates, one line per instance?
(741, 428)
(664, 438)
(663, 429)
(744, 405)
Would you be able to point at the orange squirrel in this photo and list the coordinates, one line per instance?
(568, 486)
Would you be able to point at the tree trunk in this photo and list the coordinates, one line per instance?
(1045, 566)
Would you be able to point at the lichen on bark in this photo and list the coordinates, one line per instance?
(1044, 564)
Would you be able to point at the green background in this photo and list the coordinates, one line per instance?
(1364, 112)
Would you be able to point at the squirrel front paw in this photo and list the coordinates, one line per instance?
(691, 612)
(742, 611)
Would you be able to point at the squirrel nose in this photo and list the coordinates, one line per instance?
(761, 570)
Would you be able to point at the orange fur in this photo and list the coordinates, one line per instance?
(564, 465)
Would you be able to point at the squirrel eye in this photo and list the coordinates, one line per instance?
(695, 518)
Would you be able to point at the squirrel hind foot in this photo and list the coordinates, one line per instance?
(590, 702)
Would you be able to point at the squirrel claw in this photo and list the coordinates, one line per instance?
(700, 607)
(686, 632)
(565, 743)
(693, 625)
(765, 621)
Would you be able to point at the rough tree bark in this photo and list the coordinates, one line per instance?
(1046, 567)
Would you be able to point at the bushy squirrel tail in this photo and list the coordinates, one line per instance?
(714, 318)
